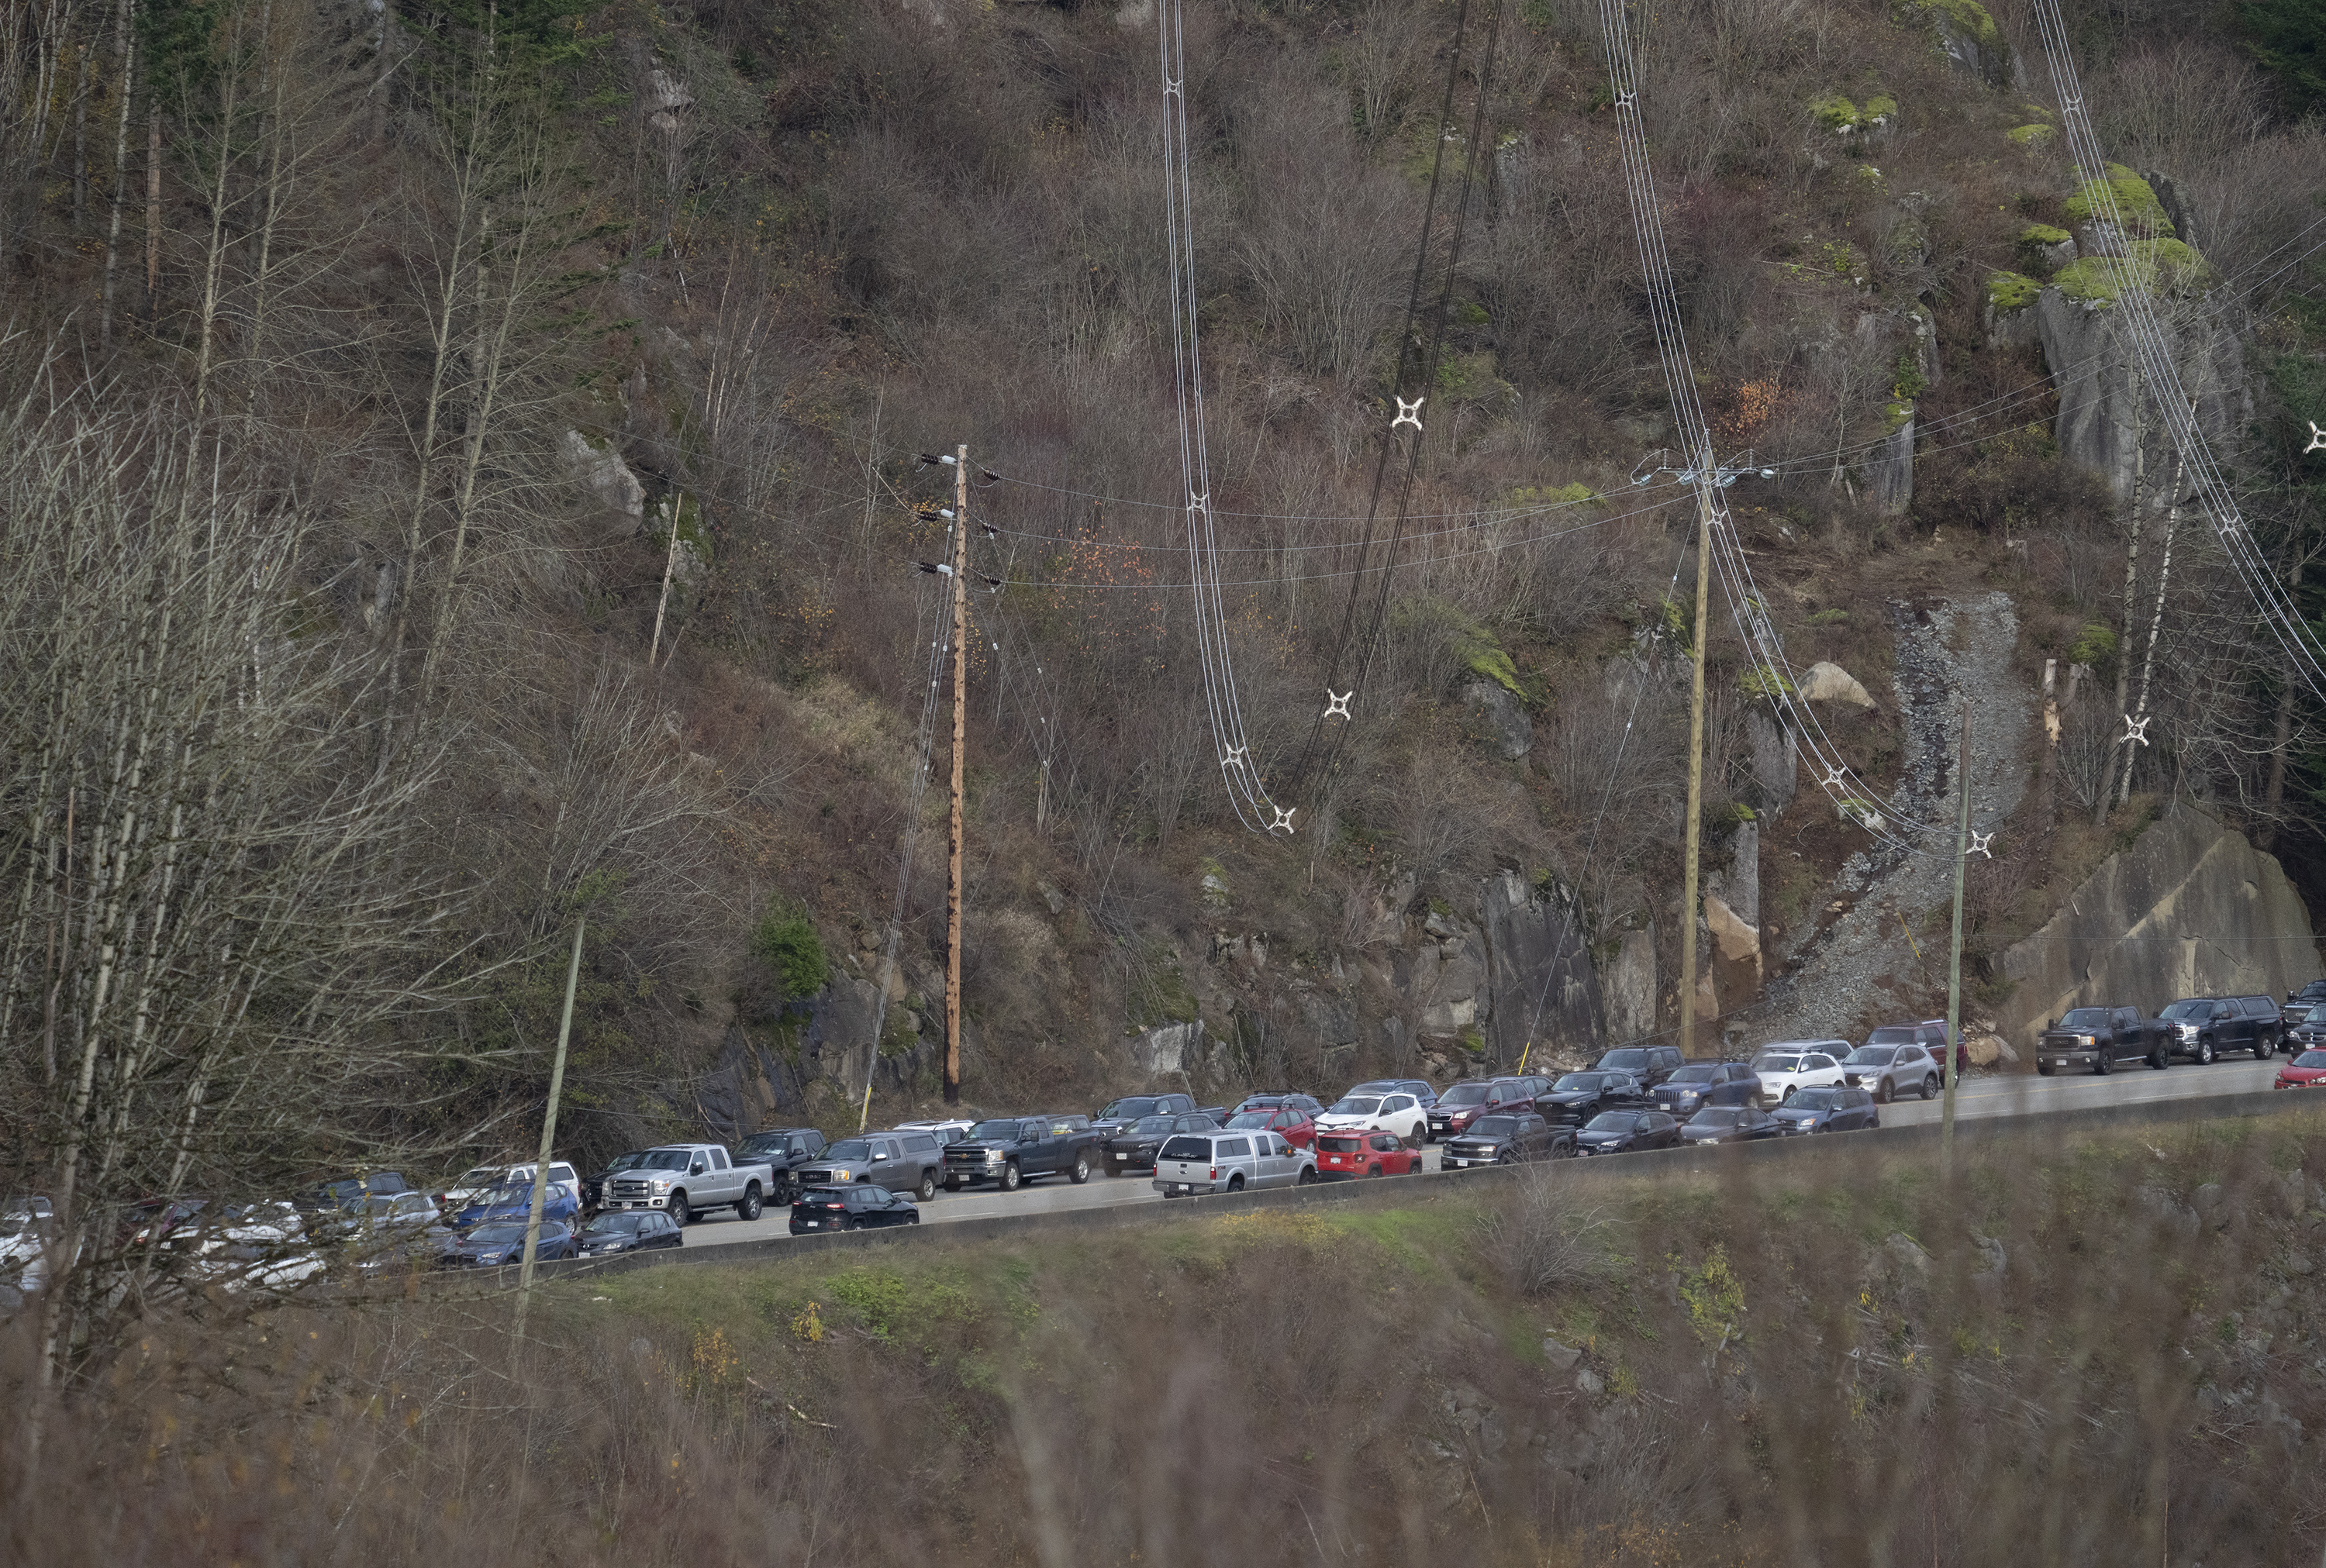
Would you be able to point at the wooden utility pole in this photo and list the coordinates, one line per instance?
(1695, 825)
(1954, 960)
(548, 1130)
(960, 734)
(669, 564)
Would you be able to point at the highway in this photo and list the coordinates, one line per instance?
(1976, 1097)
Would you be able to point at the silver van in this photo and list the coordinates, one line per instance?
(1229, 1162)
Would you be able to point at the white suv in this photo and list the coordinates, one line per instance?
(1786, 1065)
(1400, 1113)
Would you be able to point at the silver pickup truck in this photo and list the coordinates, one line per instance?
(1229, 1161)
(684, 1179)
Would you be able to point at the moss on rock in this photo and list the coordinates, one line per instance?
(1973, 19)
(2033, 135)
(2136, 203)
(2007, 292)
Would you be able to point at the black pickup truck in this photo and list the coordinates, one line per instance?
(1012, 1150)
(2100, 1037)
(786, 1150)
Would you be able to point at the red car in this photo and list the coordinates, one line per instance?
(2307, 1071)
(1294, 1126)
(1343, 1156)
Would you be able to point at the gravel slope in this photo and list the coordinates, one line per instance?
(1862, 968)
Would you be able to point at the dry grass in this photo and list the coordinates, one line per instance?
(2099, 1353)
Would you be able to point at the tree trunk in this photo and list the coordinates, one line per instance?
(2131, 594)
(127, 47)
(152, 215)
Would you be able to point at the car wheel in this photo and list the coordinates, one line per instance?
(1307, 1176)
(2262, 1047)
(1011, 1179)
(2044, 1068)
(1081, 1173)
(953, 1184)
(787, 1193)
(1885, 1093)
(1931, 1086)
(928, 1191)
(1505, 1158)
(2204, 1052)
(2161, 1059)
(1235, 1183)
(749, 1209)
(680, 1213)
(2106, 1061)
(1375, 1170)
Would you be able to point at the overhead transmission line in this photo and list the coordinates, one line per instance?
(1850, 792)
(2153, 355)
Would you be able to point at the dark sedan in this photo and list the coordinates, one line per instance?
(1815, 1110)
(1133, 1148)
(1506, 1141)
(1624, 1132)
(489, 1245)
(1578, 1097)
(858, 1206)
(1729, 1124)
(630, 1231)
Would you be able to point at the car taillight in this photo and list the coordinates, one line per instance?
(1215, 1175)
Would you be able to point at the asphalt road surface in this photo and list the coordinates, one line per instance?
(1975, 1097)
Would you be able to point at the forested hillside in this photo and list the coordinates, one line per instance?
(465, 473)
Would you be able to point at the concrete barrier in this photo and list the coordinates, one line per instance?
(1734, 1161)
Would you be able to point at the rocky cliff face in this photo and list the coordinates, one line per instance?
(2087, 345)
(2192, 909)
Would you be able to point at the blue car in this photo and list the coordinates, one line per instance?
(514, 1201)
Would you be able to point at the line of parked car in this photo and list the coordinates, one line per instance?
(1634, 1098)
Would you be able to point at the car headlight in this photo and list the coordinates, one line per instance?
(839, 1175)
(2188, 1030)
(661, 1185)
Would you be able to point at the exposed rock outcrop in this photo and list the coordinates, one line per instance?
(609, 479)
(1544, 986)
(2192, 908)
(1499, 717)
(1970, 40)
(1889, 468)
(1776, 759)
(2087, 346)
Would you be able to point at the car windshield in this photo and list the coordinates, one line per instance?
(2187, 1010)
(1717, 1115)
(1873, 1056)
(2307, 1058)
(378, 1207)
(482, 1176)
(1692, 1075)
(1261, 1102)
(1125, 1109)
(507, 1192)
(629, 1162)
(2084, 1019)
(826, 1197)
(1494, 1127)
(1356, 1105)
(849, 1149)
(1249, 1118)
(760, 1142)
(1609, 1121)
(662, 1160)
(1463, 1094)
(1003, 1130)
(1624, 1060)
(1188, 1148)
(497, 1235)
(1579, 1082)
(1814, 1100)
(1891, 1034)
(2315, 1016)
(1769, 1062)
(611, 1224)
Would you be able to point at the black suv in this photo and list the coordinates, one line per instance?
(1578, 1097)
(1698, 1085)
(786, 1149)
(2299, 1003)
(1650, 1064)
(854, 1207)
(2202, 1027)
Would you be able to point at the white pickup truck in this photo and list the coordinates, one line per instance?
(684, 1179)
